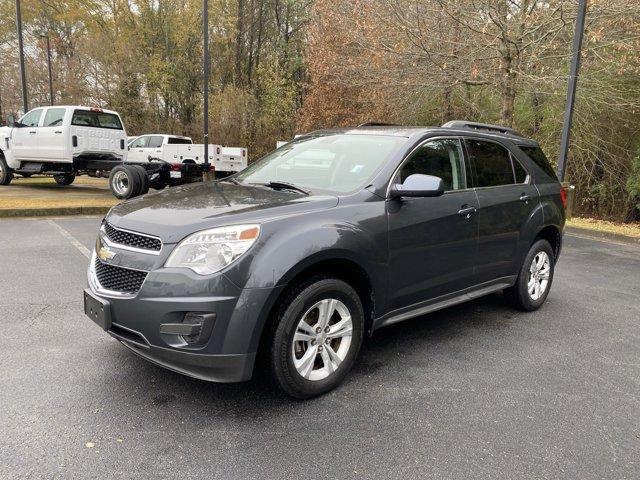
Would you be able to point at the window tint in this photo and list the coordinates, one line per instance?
(32, 118)
(492, 163)
(89, 118)
(54, 117)
(179, 141)
(155, 142)
(440, 158)
(140, 142)
(520, 172)
(537, 155)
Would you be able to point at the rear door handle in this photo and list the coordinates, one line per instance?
(58, 132)
(467, 211)
(33, 132)
(525, 198)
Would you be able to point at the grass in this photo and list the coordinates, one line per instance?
(628, 229)
(44, 193)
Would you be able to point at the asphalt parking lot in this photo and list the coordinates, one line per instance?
(475, 391)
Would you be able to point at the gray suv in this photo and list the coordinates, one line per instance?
(288, 264)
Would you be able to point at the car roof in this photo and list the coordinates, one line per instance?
(456, 127)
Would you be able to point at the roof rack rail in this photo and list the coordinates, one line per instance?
(378, 124)
(482, 126)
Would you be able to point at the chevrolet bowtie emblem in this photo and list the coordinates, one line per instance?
(105, 254)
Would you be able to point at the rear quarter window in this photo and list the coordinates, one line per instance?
(539, 158)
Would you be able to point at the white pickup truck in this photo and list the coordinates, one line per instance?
(62, 141)
(175, 149)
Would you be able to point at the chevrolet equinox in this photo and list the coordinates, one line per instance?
(288, 264)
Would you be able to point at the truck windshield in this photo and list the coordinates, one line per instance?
(339, 163)
(87, 118)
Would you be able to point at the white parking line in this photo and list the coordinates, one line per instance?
(83, 250)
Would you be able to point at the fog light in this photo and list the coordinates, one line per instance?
(195, 329)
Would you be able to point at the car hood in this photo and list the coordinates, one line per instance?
(177, 212)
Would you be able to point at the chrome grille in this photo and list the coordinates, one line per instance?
(130, 239)
(118, 279)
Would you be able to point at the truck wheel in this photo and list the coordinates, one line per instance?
(64, 178)
(144, 179)
(6, 174)
(317, 337)
(124, 182)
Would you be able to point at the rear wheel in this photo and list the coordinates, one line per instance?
(317, 338)
(534, 280)
(144, 179)
(6, 173)
(64, 178)
(124, 182)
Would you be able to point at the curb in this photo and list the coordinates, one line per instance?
(55, 211)
(599, 235)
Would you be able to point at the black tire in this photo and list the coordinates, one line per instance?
(6, 173)
(158, 185)
(144, 179)
(64, 178)
(290, 313)
(519, 295)
(124, 182)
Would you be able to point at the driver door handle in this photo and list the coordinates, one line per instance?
(58, 132)
(525, 198)
(467, 211)
(32, 132)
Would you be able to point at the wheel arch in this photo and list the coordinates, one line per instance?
(343, 267)
(553, 235)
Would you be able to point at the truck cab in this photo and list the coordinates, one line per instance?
(63, 141)
(147, 146)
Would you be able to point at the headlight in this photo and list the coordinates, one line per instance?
(210, 251)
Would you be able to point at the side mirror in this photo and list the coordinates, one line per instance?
(418, 185)
(11, 121)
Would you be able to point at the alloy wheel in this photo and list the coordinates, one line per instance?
(539, 274)
(322, 339)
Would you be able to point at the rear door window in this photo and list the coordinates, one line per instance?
(521, 174)
(491, 162)
(179, 141)
(155, 142)
(32, 119)
(537, 155)
(96, 119)
(54, 117)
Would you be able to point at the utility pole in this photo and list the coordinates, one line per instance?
(205, 30)
(571, 91)
(49, 66)
(23, 75)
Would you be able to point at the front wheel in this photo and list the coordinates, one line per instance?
(64, 178)
(6, 173)
(534, 279)
(317, 338)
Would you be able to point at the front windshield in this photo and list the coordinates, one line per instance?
(338, 163)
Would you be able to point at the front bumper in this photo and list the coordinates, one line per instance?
(166, 296)
(213, 368)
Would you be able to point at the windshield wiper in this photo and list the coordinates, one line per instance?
(275, 184)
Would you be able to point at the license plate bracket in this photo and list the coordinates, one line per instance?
(97, 310)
